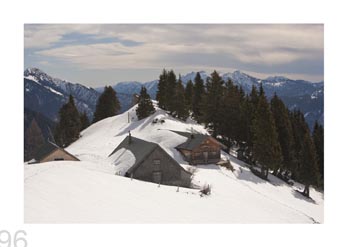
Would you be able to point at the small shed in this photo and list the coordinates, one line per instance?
(200, 148)
(147, 161)
(51, 152)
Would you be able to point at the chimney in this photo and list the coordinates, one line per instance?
(192, 136)
(129, 137)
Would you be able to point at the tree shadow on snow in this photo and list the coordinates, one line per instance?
(249, 176)
(138, 123)
(299, 195)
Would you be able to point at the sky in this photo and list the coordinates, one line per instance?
(104, 54)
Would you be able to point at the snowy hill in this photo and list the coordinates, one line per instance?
(88, 191)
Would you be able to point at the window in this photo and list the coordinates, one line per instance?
(213, 153)
(156, 165)
(58, 159)
(157, 177)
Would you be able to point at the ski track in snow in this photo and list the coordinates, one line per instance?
(266, 196)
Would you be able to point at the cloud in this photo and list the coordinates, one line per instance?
(259, 48)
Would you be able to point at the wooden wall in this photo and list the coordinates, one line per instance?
(58, 154)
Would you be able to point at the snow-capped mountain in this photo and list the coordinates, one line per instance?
(45, 94)
(297, 94)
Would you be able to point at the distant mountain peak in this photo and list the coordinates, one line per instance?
(40, 75)
(277, 78)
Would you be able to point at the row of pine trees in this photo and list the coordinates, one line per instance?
(267, 132)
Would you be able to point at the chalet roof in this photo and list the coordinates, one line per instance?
(140, 148)
(194, 140)
(45, 150)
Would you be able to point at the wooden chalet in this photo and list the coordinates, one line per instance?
(200, 149)
(51, 152)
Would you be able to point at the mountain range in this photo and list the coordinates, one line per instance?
(45, 94)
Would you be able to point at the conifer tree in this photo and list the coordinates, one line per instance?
(34, 139)
(230, 113)
(170, 92)
(198, 98)
(189, 95)
(318, 138)
(69, 125)
(285, 132)
(308, 169)
(181, 108)
(254, 97)
(145, 106)
(244, 122)
(247, 113)
(213, 102)
(266, 148)
(300, 128)
(84, 120)
(161, 93)
(107, 105)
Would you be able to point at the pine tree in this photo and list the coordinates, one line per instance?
(266, 148)
(189, 95)
(247, 113)
(181, 108)
(171, 92)
(244, 121)
(69, 125)
(230, 113)
(34, 139)
(145, 106)
(300, 128)
(161, 93)
(198, 98)
(285, 132)
(254, 97)
(318, 138)
(107, 105)
(84, 120)
(213, 102)
(308, 170)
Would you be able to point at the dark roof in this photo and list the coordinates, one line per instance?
(193, 140)
(45, 150)
(140, 148)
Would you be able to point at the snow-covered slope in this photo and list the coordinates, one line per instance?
(88, 191)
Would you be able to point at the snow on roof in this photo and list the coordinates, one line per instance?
(130, 152)
(100, 139)
(123, 160)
